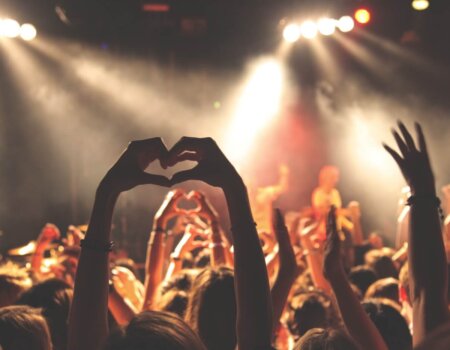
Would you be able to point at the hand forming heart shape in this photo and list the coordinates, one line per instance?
(212, 165)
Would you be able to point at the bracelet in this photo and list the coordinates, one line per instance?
(97, 247)
(216, 245)
(434, 200)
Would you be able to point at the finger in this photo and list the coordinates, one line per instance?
(398, 159)
(182, 176)
(185, 144)
(421, 139)
(400, 143)
(407, 136)
(145, 178)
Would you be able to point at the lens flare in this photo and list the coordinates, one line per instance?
(326, 26)
(291, 33)
(9, 28)
(309, 29)
(346, 24)
(420, 5)
(28, 32)
(362, 16)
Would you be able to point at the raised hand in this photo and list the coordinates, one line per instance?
(413, 161)
(129, 171)
(205, 209)
(213, 167)
(49, 233)
(168, 208)
(332, 263)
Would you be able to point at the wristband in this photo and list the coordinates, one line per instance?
(430, 198)
(107, 248)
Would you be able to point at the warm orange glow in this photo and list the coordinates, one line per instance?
(362, 16)
(156, 8)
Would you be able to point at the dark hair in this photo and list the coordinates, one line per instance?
(23, 328)
(174, 301)
(362, 276)
(203, 258)
(383, 264)
(53, 297)
(390, 323)
(155, 330)
(13, 282)
(384, 288)
(309, 310)
(211, 309)
(181, 281)
(329, 339)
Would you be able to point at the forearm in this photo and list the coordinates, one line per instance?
(154, 268)
(217, 247)
(88, 325)
(357, 322)
(428, 269)
(121, 309)
(251, 283)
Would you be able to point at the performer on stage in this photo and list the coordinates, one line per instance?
(262, 199)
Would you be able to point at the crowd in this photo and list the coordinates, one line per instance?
(311, 281)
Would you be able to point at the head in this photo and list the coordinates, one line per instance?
(23, 328)
(384, 288)
(174, 301)
(309, 310)
(328, 177)
(390, 323)
(375, 240)
(182, 281)
(13, 282)
(211, 310)
(53, 297)
(329, 339)
(362, 277)
(203, 258)
(383, 264)
(155, 330)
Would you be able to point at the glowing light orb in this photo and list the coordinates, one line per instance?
(308, 29)
(28, 32)
(346, 24)
(326, 26)
(9, 28)
(420, 5)
(362, 16)
(291, 33)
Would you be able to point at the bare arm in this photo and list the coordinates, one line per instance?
(88, 326)
(426, 252)
(287, 272)
(254, 311)
(355, 318)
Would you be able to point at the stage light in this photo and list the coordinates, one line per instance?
(308, 29)
(27, 32)
(420, 5)
(9, 28)
(346, 24)
(291, 33)
(362, 16)
(327, 26)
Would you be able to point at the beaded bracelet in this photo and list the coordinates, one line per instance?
(97, 247)
(434, 199)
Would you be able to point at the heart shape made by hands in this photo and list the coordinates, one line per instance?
(157, 169)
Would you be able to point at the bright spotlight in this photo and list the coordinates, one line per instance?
(362, 16)
(9, 28)
(327, 26)
(308, 29)
(27, 32)
(346, 24)
(291, 33)
(420, 5)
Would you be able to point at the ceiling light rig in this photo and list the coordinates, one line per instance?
(10, 28)
(310, 29)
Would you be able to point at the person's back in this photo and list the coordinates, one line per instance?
(23, 328)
